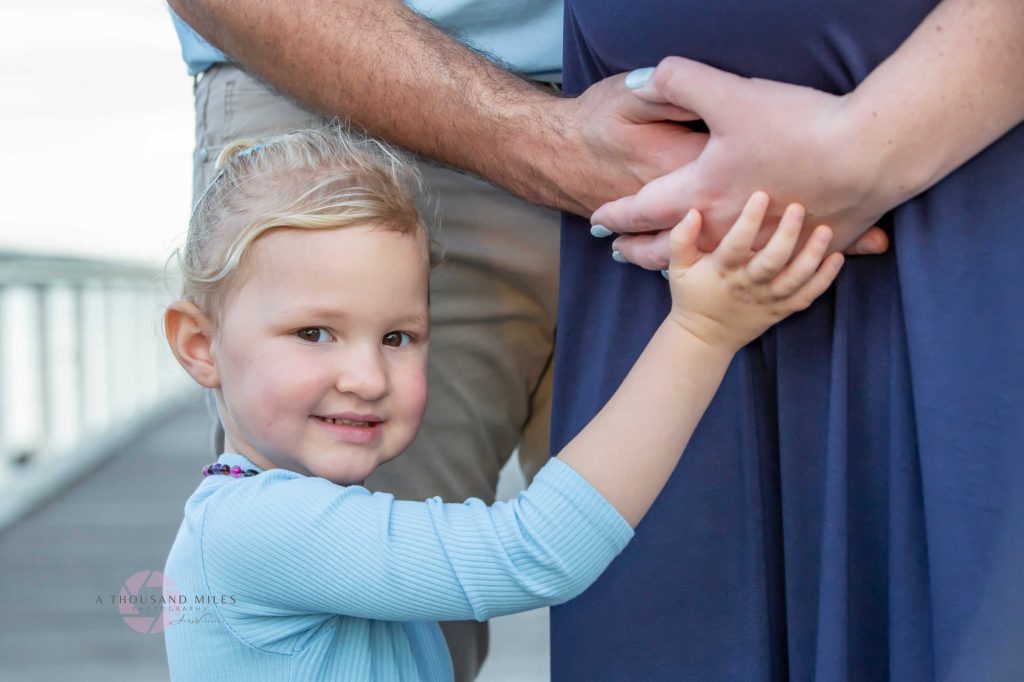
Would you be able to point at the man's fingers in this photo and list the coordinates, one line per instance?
(734, 250)
(871, 243)
(769, 261)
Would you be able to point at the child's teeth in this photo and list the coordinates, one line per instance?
(346, 422)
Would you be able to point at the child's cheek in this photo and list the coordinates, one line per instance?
(417, 393)
(306, 382)
(293, 385)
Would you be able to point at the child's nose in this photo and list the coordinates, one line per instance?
(363, 374)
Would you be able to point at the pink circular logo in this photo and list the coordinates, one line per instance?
(143, 600)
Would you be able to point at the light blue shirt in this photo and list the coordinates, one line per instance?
(301, 579)
(524, 35)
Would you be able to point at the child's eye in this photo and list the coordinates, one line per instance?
(396, 339)
(314, 335)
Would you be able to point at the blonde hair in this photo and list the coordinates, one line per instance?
(326, 178)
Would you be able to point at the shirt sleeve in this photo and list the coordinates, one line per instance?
(293, 545)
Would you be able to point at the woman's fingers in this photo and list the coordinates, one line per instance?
(643, 109)
(650, 251)
(658, 205)
(687, 84)
(734, 250)
(683, 242)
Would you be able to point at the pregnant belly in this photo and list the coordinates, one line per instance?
(827, 44)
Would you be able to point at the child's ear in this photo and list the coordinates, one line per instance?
(189, 333)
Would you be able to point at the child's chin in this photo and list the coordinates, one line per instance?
(352, 476)
(343, 478)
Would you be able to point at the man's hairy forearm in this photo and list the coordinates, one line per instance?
(392, 72)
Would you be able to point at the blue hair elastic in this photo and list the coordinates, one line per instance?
(217, 176)
(251, 150)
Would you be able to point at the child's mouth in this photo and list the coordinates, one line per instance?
(357, 431)
(347, 422)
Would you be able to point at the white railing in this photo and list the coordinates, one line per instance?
(82, 354)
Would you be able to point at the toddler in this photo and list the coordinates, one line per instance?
(305, 310)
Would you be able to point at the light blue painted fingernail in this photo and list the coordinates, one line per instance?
(618, 257)
(600, 231)
(664, 273)
(639, 77)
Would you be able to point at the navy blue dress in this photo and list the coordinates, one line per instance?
(850, 507)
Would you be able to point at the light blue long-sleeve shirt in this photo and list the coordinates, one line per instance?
(316, 581)
(526, 35)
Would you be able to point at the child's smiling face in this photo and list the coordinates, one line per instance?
(321, 350)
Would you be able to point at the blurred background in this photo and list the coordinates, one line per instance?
(101, 436)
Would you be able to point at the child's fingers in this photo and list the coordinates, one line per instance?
(770, 260)
(819, 283)
(804, 265)
(734, 250)
(682, 242)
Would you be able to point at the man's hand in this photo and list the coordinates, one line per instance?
(619, 142)
(392, 72)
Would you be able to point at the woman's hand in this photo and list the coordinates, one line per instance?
(953, 87)
(786, 140)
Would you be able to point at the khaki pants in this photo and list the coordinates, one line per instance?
(492, 313)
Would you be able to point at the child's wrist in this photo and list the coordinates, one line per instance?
(704, 332)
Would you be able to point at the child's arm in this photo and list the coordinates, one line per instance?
(720, 302)
(284, 545)
(289, 545)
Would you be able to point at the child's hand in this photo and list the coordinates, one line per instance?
(731, 296)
